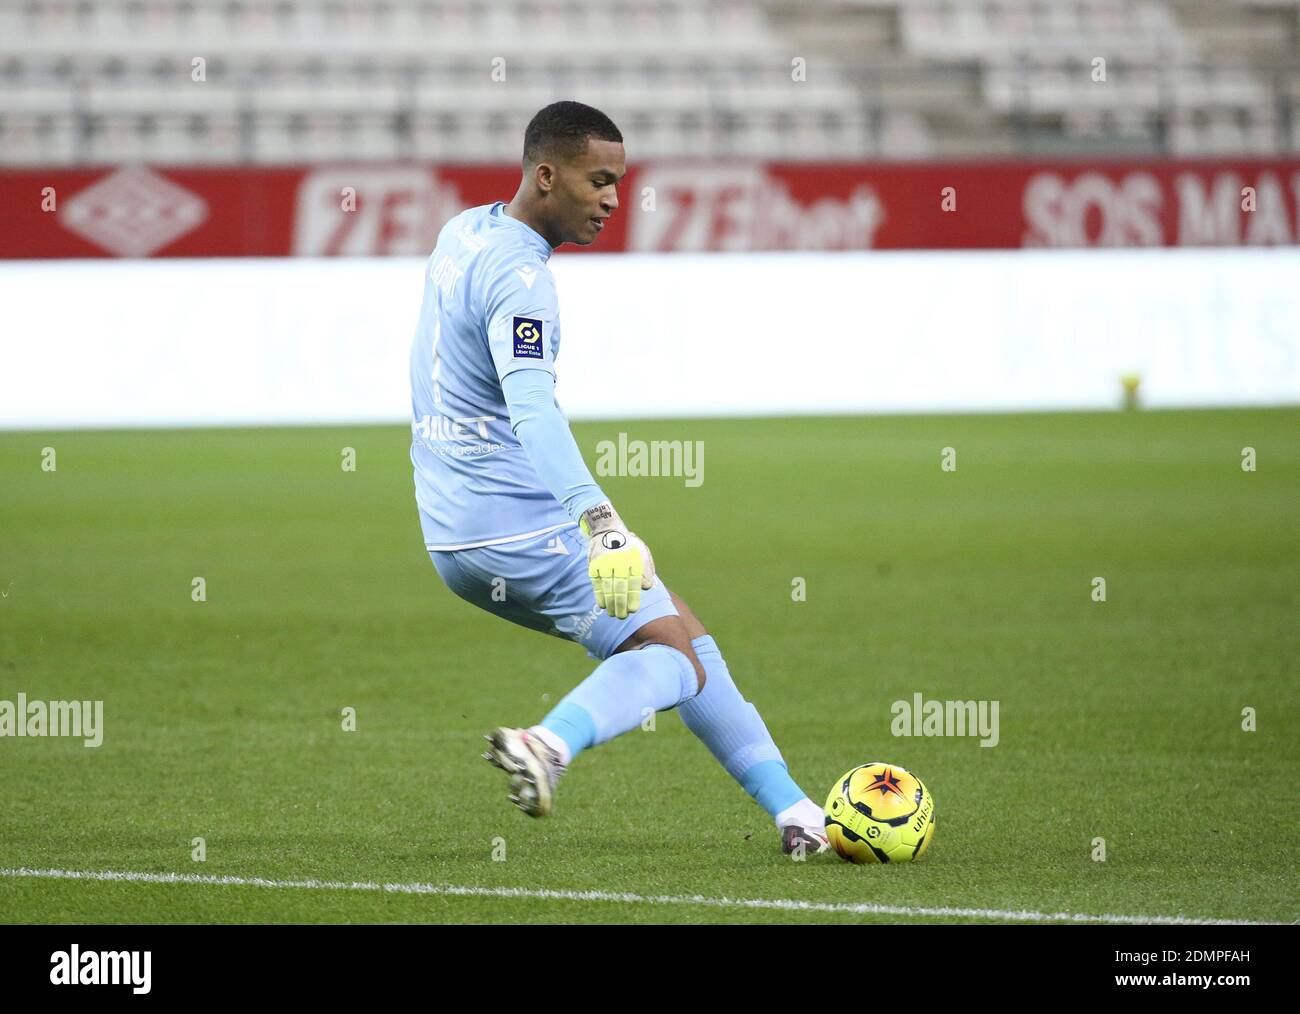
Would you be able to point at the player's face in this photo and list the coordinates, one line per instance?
(586, 188)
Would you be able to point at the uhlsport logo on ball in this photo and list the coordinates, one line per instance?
(879, 813)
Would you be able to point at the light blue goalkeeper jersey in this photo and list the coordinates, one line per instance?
(489, 310)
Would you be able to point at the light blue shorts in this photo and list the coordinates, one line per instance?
(542, 583)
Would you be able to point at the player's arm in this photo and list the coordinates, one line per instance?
(544, 433)
(619, 564)
(519, 327)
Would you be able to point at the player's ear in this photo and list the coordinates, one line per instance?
(544, 176)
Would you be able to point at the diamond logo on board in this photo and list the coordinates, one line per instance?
(133, 212)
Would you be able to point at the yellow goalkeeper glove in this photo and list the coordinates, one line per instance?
(619, 564)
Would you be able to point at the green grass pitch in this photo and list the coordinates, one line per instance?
(1119, 720)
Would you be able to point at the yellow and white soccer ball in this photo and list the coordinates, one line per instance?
(879, 813)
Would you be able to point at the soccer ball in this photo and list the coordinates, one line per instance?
(879, 813)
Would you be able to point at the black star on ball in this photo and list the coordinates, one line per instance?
(886, 782)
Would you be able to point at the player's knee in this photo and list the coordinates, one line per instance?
(700, 677)
(690, 657)
(670, 631)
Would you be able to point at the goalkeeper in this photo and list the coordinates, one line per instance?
(511, 517)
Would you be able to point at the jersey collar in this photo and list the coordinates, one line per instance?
(532, 236)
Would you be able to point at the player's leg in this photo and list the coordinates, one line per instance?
(736, 735)
(728, 725)
(672, 631)
(655, 659)
(628, 685)
(542, 583)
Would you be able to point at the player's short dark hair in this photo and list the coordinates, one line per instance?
(559, 132)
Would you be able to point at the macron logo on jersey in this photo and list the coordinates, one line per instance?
(528, 338)
(527, 276)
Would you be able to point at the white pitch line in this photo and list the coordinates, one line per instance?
(543, 894)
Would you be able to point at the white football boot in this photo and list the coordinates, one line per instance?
(533, 767)
(814, 839)
(803, 828)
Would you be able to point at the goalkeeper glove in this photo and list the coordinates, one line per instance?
(618, 563)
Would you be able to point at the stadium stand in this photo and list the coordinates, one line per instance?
(273, 81)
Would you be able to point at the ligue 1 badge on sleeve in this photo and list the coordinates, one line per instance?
(528, 338)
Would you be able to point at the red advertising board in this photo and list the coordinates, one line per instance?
(379, 210)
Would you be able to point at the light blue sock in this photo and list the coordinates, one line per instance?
(735, 734)
(615, 697)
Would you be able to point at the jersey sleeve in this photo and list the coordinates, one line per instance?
(544, 434)
(523, 317)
